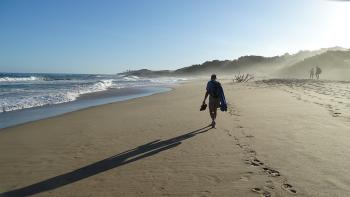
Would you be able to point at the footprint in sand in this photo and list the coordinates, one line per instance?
(254, 162)
(261, 191)
(271, 172)
(246, 176)
(336, 114)
(228, 132)
(205, 193)
(252, 152)
(269, 184)
(241, 146)
(289, 188)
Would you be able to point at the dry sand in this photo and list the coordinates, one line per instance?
(267, 144)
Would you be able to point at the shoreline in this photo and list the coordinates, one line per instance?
(160, 146)
(20, 117)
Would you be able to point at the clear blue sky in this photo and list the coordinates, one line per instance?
(86, 36)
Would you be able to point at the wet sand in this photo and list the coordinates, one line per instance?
(12, 118)
(268, 144)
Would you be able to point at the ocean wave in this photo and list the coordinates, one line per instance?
(45, 77)
(157, 80)
(101, 85)
(19, 91)
(19, 79)
(131, 78)
(168, 80)
(53, 97)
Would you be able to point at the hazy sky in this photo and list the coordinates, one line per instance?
(86, 36)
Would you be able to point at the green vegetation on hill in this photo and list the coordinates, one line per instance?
(331, 60)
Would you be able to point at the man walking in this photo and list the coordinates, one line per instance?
(312, 72)
(318, 72)
(213, 91)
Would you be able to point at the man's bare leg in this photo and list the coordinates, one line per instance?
(213, 117)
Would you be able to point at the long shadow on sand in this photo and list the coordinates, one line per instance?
(120, 159)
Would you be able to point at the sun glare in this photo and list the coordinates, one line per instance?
(337, 21)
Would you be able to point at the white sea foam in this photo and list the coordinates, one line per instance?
(18, 79)
(168, 80)
(49, 92)
(131, 78)
(46, 97)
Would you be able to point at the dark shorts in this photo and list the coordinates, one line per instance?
(214, 103)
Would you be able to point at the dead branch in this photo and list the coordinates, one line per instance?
(242, 78)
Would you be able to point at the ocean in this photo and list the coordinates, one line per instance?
(26, 97)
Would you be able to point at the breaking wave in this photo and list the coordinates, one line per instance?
(19, 79)
(50, 96)
(25, 90)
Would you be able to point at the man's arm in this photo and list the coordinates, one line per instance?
(206, 93)
(205, 97)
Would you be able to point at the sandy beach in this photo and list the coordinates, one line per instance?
(269, 143)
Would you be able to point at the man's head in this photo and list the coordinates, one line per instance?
(213, 77)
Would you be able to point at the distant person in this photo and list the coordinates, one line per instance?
(318, 72)
(216, 94)
(312, 73)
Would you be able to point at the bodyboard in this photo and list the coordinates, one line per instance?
(223, 104)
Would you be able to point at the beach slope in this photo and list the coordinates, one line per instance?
(267, 144)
